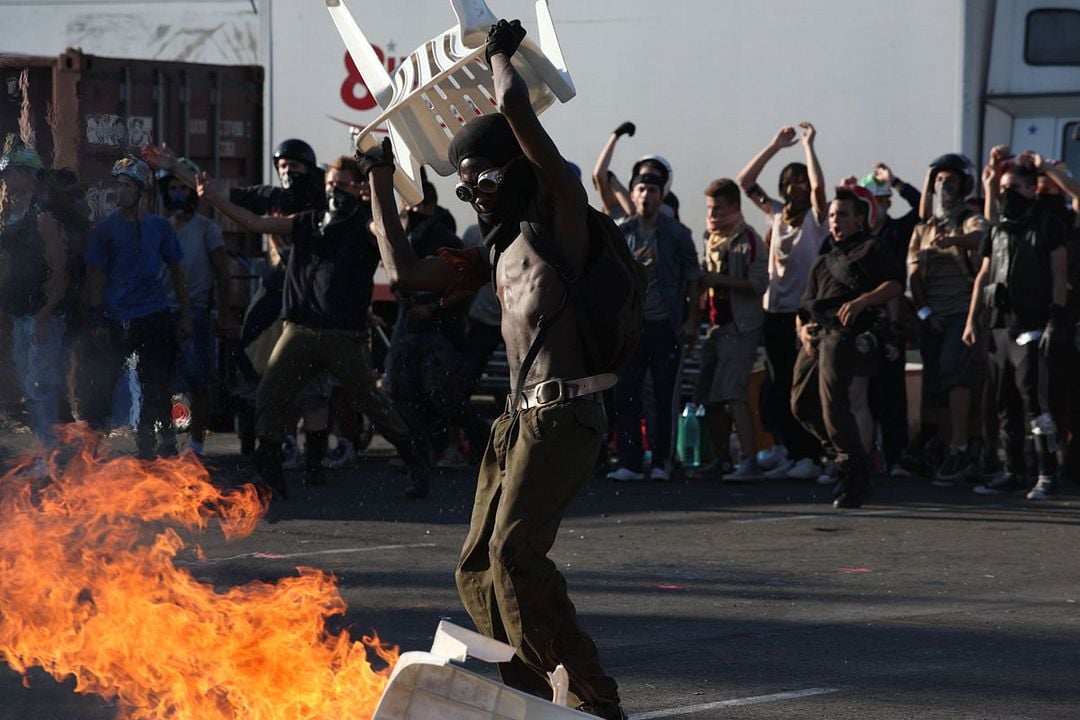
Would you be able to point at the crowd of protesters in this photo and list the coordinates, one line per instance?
(976, 276)
(981, 284)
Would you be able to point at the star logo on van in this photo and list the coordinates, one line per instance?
(1033, 129)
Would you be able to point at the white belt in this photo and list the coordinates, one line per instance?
(556, 389)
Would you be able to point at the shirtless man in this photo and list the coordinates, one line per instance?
(542, 449)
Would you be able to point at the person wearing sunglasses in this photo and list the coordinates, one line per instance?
(542, 449)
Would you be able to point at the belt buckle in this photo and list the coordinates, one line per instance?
(559, 386)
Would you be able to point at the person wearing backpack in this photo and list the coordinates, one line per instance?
(942, 270)
(547, 253)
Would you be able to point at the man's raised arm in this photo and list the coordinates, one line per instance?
(559, 183)
(403, 268)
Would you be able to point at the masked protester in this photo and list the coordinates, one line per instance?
(542, 449)
(34, 280)
(943, 257)
(205, 267)
(129, 309)
(1022, 285)
(839, 331)
(328, 286)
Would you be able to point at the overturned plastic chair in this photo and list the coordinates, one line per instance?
(445, 83)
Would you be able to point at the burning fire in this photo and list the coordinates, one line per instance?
(89, 589)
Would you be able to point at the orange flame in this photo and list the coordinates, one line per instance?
(89, 589)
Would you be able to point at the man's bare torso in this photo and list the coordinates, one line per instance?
(528, 289)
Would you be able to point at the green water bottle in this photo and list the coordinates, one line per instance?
(689, 443)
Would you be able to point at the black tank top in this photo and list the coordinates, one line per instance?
(21, 248)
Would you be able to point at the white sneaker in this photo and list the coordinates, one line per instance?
(828, 475)
(746, 471)
(660, 473)
(899, 471)
(625, 474)
(779, 472)
(771, 458)
(343, 455)
(1043, 490)
(804, 469)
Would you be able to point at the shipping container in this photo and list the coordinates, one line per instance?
(84, 112)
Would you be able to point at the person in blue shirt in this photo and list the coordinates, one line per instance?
(128, 307)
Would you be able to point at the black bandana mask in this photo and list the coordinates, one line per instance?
(341, 205)
(1014, 205)
(490, 137)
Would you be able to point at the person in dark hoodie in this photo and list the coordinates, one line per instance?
(542, 449)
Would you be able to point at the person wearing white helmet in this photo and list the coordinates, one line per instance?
(128, 308)
(33, 283)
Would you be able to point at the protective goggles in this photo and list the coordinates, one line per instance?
(486, 182)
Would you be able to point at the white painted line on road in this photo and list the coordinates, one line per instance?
(756, 700)
(859, 513)
(313, 553)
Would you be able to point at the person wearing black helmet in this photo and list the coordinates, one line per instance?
(328, 286)
(942, 258)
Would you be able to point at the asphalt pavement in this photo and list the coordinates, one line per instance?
(706, 600)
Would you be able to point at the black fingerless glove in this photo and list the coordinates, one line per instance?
(627, 128)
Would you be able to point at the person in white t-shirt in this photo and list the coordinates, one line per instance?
(798, 225)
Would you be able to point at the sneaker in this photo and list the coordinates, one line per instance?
(804, 469)
(828, 474)
(1006, 483)
(746, 471)
(293, 458)
(660, 473)
(1044, 489)
(772, 458)
(343, 455)
(625, 474)
(896, 470)
(452, 457)
(956, 466)
(778, 472)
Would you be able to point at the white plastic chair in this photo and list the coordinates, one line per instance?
(445, 83)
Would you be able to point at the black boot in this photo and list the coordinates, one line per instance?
(314, 452)
(853, 485)
(268, 459)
